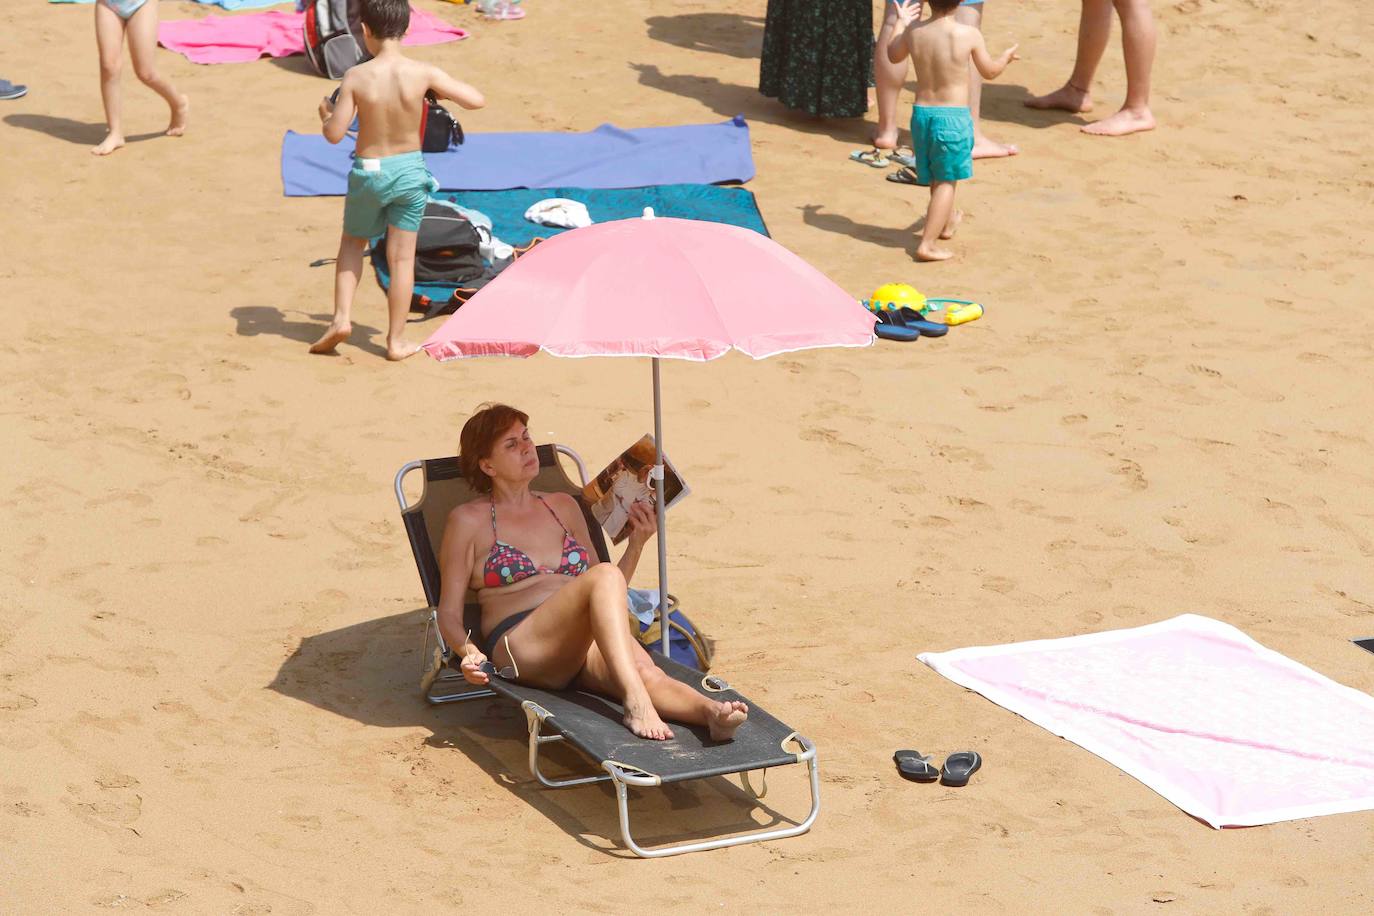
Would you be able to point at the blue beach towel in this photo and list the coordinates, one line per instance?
(734, 206)
(607, 157)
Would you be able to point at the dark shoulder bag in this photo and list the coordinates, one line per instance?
(439, 130)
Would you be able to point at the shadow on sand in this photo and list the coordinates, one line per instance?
(86, 133)
(887, 236)
(732, 34)
(369, 672)
(265, 319)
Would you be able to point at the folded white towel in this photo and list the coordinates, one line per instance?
(559, 211)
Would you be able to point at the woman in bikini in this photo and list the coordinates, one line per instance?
(550, 609)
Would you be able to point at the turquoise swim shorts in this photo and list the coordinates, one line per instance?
(391, 191)
(942, 137)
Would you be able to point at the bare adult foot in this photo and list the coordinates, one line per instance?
(1065, 98)
(726, 719)
(931, 253)
(333, 336)
(399, 351)
(179, 114)
(952, 226)
(984, 148)
(111, 143)
(642, 719)
(1122, 123)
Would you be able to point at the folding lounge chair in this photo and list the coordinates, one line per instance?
(592, 724)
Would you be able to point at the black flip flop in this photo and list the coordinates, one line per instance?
(915, 766)
(890, 326)
(959, 767)
(905, 175)
(914, 319)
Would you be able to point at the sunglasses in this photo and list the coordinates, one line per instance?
(509, 672)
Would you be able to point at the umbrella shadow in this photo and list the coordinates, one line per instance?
(732, 34)
(887, 236)
(369, 672)
(253, 320)
(86, 133)
(730, 99)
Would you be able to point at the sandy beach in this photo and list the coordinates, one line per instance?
(210, 620)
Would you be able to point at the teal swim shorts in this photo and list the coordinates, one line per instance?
(942, 137)
(391, 191)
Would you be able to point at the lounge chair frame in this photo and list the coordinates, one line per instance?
(441, 684)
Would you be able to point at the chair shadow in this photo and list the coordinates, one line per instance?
(86, 133)
(1006, 103)
(369, 672)
(887, 236)
(732, 34)
(730, 99)
(265, 319)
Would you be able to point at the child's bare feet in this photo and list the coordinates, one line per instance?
(179, 114)
(1122, 123)
(642, 719)
(726, 719)
(931, 253)
(399, 351)
(334, 335)
(1065, 98)
(952, 226)
(112, 142)
(985, 148)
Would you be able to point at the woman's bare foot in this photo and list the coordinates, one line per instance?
(726, 719)
(642, 719)
(931, 253)
(1065, 98)
(112, 142)
(984, 148)
(1122, 123)
(179, 114)
(334, 335)
(399, 351)
(952, 226)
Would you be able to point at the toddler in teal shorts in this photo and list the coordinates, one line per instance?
(391, 191)
(942, 133)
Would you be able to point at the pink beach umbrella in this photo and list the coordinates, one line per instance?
(658, 287)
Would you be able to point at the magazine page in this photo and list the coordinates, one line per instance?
(624, 482)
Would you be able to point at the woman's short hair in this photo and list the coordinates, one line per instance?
(479, 437)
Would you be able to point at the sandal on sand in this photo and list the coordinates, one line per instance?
(904, 155)
(874, 157)
(905, 175)
(890, 326)
(914, 319)
(959, 767)
(915, 766)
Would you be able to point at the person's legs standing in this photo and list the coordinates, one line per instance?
(142, 31)
(983, 146)
(400, 259)
(348, 266)
(1138, 46)
(888, 79)
(939, 220)
(1094, 30)
(109, 43)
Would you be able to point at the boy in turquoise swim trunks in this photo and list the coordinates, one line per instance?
(388, 185)
(941, 125)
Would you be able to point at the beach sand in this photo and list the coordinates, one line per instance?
(210, 620)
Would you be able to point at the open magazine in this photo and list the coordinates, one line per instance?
(624, 482)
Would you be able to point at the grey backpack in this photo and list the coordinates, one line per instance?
(334, 36)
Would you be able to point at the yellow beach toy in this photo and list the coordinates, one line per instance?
(896, 296)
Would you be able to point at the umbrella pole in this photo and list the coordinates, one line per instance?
(662, 512)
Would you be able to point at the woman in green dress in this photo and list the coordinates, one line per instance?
(818, 56)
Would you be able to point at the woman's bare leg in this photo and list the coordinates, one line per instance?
(109, 43)
(1138, 47)
(672, 698)
(984, 147)
(1094, 31)
(551, 646)
(888, 78)
(142, 32)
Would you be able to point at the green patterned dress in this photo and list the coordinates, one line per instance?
(818, 56)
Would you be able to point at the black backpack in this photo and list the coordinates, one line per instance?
(333, 34)
(447, 247)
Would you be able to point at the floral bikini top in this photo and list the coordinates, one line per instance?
(507, 565)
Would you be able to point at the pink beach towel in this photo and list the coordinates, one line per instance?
(234, 39)
(1233, 733)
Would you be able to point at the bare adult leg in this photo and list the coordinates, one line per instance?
(984, 147)
(671, 698)
(347, 268)
(109, 43)
(142, 32)
(940, 219)
(552, 646)
(1094, 30)
(888, 78)
(400, 258)
(1138, 41)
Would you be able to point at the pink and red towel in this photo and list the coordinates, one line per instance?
(1233, 733)
(234, 39)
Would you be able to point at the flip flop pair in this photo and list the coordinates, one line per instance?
(882, 158)
(958, 768)
(906, 324)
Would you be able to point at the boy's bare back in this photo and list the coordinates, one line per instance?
(388, 95)
(941, 50)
